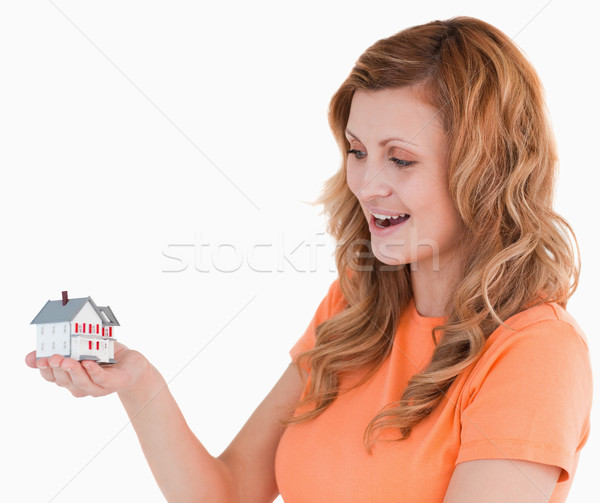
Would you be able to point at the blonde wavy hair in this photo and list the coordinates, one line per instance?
(502, 164)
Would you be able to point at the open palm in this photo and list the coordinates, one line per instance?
(88, 378)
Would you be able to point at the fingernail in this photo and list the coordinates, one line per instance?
(42, 366)
(54, 365)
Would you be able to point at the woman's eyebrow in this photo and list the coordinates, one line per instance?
(382, 142)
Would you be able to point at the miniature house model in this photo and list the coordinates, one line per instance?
(76, 328)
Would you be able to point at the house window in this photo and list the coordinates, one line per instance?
(64, 329)
(53, 327)
(65, 345)
(90, 344)
(52, 345)
(42, 346)
(42, 331)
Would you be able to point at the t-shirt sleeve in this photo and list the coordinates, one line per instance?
(331, 304)
(530, 399)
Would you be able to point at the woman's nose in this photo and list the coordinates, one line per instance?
(375, 180)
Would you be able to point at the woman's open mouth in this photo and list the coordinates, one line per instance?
(383, 221)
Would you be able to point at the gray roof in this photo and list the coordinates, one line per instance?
(106, 312)
(54, 312)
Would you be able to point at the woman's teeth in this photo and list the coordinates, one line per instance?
(383, 221)
(381, 217)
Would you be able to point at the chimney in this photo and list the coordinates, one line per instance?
(65, 297)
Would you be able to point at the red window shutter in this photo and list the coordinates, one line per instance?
(97, 344)
(97, 328)
(90, 344)
(90, 327)
(76, 327)
(103, 331)
(83, 325)
(110, 331)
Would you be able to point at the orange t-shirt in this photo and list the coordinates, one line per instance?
(528, 397)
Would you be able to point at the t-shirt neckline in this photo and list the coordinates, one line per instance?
(426, 321)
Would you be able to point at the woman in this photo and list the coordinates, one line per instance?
(442, 364)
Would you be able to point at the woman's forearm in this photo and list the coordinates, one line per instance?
(182, 467)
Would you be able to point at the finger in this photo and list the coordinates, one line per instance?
(62, 378)
(42, 362)
(30, 360)
(47, 373)
(81, 380)
(55, 360)
(45, 369)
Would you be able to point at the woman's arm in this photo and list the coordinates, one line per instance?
(251, 455)
(182, 467)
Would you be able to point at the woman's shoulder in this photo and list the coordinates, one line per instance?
(546, 334)
(549, 319)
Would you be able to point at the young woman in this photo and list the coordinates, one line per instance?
(442, 365)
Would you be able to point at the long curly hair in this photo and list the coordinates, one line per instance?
(502, 167)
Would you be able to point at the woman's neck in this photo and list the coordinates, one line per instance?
(432, 289)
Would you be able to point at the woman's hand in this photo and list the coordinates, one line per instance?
(87, 378)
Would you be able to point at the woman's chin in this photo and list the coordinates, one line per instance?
(391, 261)
(389, 258)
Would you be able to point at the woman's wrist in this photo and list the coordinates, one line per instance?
(147, 386)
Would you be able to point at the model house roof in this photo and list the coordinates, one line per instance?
(108, 317)
(54, 312)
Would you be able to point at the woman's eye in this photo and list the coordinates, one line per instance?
(357, 153)
(401, 163)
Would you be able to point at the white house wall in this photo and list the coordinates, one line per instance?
(53, 338)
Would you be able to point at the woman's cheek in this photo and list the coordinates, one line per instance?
(351, 179)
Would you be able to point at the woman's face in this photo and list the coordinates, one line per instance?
(397, 167)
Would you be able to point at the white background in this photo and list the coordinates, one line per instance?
(109, 114)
